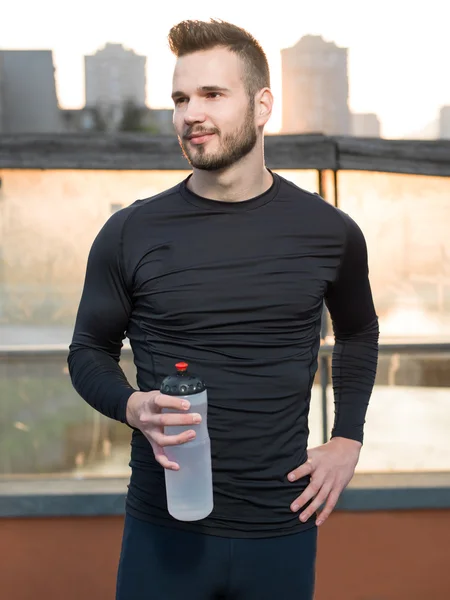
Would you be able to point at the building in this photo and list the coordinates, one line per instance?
(28, 99)
(115, 75)
(444, 123)
(366, 125)
(315, 88)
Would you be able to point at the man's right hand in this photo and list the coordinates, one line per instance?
(144, 412)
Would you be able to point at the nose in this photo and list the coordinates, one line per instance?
(194, 113)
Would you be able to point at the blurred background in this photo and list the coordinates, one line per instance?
(337, 70)
(348, 68)
(369, 71)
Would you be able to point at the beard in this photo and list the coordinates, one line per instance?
(233, 146)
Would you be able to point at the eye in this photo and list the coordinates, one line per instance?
(213, 95)
(179, 101)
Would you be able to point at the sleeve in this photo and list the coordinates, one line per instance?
(355, 326)
(101, 324)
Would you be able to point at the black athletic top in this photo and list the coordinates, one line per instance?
(235, 289)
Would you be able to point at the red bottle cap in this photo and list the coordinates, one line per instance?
(182, 382)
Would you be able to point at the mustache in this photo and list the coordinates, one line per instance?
(196, 130)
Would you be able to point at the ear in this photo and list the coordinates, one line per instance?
(263, 106)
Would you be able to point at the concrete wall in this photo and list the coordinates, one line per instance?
(401, 555)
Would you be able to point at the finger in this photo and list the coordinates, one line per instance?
(302, 471)
(162, 458)
(317, 502)
(309, 492)
(172, 440)
(168, 419)
(164, 401)
(329, 506)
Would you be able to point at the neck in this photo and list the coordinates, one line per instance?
(245, 179)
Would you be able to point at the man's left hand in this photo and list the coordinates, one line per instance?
(331, 467)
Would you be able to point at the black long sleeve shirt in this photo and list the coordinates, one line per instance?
(236, 289)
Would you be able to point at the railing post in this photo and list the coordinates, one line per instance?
(327, 184)
(324, 376)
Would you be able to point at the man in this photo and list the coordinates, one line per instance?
(228, 271)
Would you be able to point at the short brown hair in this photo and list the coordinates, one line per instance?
(193, 36)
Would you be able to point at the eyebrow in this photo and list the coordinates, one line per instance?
(204, 89)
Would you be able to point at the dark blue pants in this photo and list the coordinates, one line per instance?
(161, 563)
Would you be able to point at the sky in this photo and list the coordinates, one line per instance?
(399, 51)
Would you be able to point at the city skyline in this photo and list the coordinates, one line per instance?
(390, 72)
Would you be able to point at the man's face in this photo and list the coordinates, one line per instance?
(213, 116)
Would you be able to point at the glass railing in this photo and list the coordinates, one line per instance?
(47, 429)
(48, 220)
(406, 222)
(408, 418)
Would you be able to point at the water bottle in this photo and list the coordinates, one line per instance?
(189, 490)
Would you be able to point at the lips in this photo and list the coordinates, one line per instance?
(199, 138)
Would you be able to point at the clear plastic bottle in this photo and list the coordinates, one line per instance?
(189, 490)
